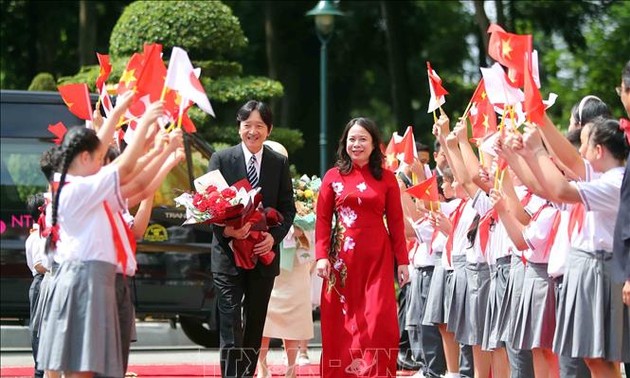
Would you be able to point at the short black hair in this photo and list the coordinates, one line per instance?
(49, 162)
(574, 137)
(422, 147)
(246, 110)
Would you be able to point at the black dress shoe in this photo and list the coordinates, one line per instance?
(407, 364)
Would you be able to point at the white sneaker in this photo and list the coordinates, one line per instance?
(419, 374)
(303, 360)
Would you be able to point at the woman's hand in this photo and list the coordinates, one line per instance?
(532, 141)
(323, 268)
(403, 275)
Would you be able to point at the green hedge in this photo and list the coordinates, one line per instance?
(205, 29)
(43, 81)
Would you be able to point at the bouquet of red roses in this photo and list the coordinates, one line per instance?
(215, 202)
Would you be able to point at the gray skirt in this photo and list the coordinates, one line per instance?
(435, 310)
(499, 274)
(43, 300)
(535, 320)
(512, 299)
(592, 320)
(477, 290)
(80, 330)
(419, 286)
(456, 298)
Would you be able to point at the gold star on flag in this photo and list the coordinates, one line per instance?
(506, 48)
(483, 95)
(128, 77)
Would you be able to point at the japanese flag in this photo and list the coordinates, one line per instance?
(181, 76)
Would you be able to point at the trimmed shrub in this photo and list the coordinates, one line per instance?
(205, 29)
(43, 81)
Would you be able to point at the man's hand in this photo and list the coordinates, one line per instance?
(264, 246)
(237, 233)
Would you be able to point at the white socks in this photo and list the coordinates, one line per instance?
(451, 375)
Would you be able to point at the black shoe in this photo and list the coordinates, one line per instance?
(407, 364)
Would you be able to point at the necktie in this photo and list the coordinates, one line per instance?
(252, 176)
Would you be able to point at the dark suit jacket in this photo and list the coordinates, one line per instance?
(277, 192)
(621, 241)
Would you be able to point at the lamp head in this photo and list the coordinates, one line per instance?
(325, 12)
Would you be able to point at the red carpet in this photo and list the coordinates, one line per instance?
(165, 371)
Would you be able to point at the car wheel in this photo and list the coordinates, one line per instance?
(198, 331)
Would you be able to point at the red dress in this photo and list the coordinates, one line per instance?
(358, 308)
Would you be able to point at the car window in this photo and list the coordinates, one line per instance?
(20, 177)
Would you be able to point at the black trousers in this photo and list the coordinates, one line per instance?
(242, 303)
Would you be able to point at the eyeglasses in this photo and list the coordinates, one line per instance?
(618, 90)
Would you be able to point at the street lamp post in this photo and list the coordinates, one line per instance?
(324, 13)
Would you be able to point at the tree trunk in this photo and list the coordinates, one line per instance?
(498, 4)
(396, 57)
(87, 32)
(482, 21)
(271, 43)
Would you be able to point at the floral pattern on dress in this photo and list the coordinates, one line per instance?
(337, 187)
(348, 244)
(362, 187)
(347, 215)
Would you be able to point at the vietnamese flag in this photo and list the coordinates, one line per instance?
(407, 146)
(58, 130)
(509, 49)
(533, 106)
(129, 77)
(427, 190)
(150, 76)
(105, 70)
(482, 115)
(391, 161)
(77, 98)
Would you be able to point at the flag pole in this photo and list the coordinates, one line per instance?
(164, 89)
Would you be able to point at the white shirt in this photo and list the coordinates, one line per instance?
(537, 235)
(560, 247)
(460, 241)
(84, 230)
(35, 247)
(600, 197)
(499, 242)
(248, 156)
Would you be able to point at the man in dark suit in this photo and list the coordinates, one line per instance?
(240, 289)
(621, 241)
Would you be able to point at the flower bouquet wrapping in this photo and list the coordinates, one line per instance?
(305, 191)
(214, 202)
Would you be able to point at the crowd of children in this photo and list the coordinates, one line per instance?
(514, 266)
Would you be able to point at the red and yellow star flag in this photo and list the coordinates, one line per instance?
(58, 130)
(77, 99)
(129, 77)
(407, 146)
(533, 105)
(482, 115)
(151, 75)
(427, 190)
(105, 70)
(509, 49)
(391, 161)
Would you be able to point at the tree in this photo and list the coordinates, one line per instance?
(212, 36)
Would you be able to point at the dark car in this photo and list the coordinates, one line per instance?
(173, 280)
